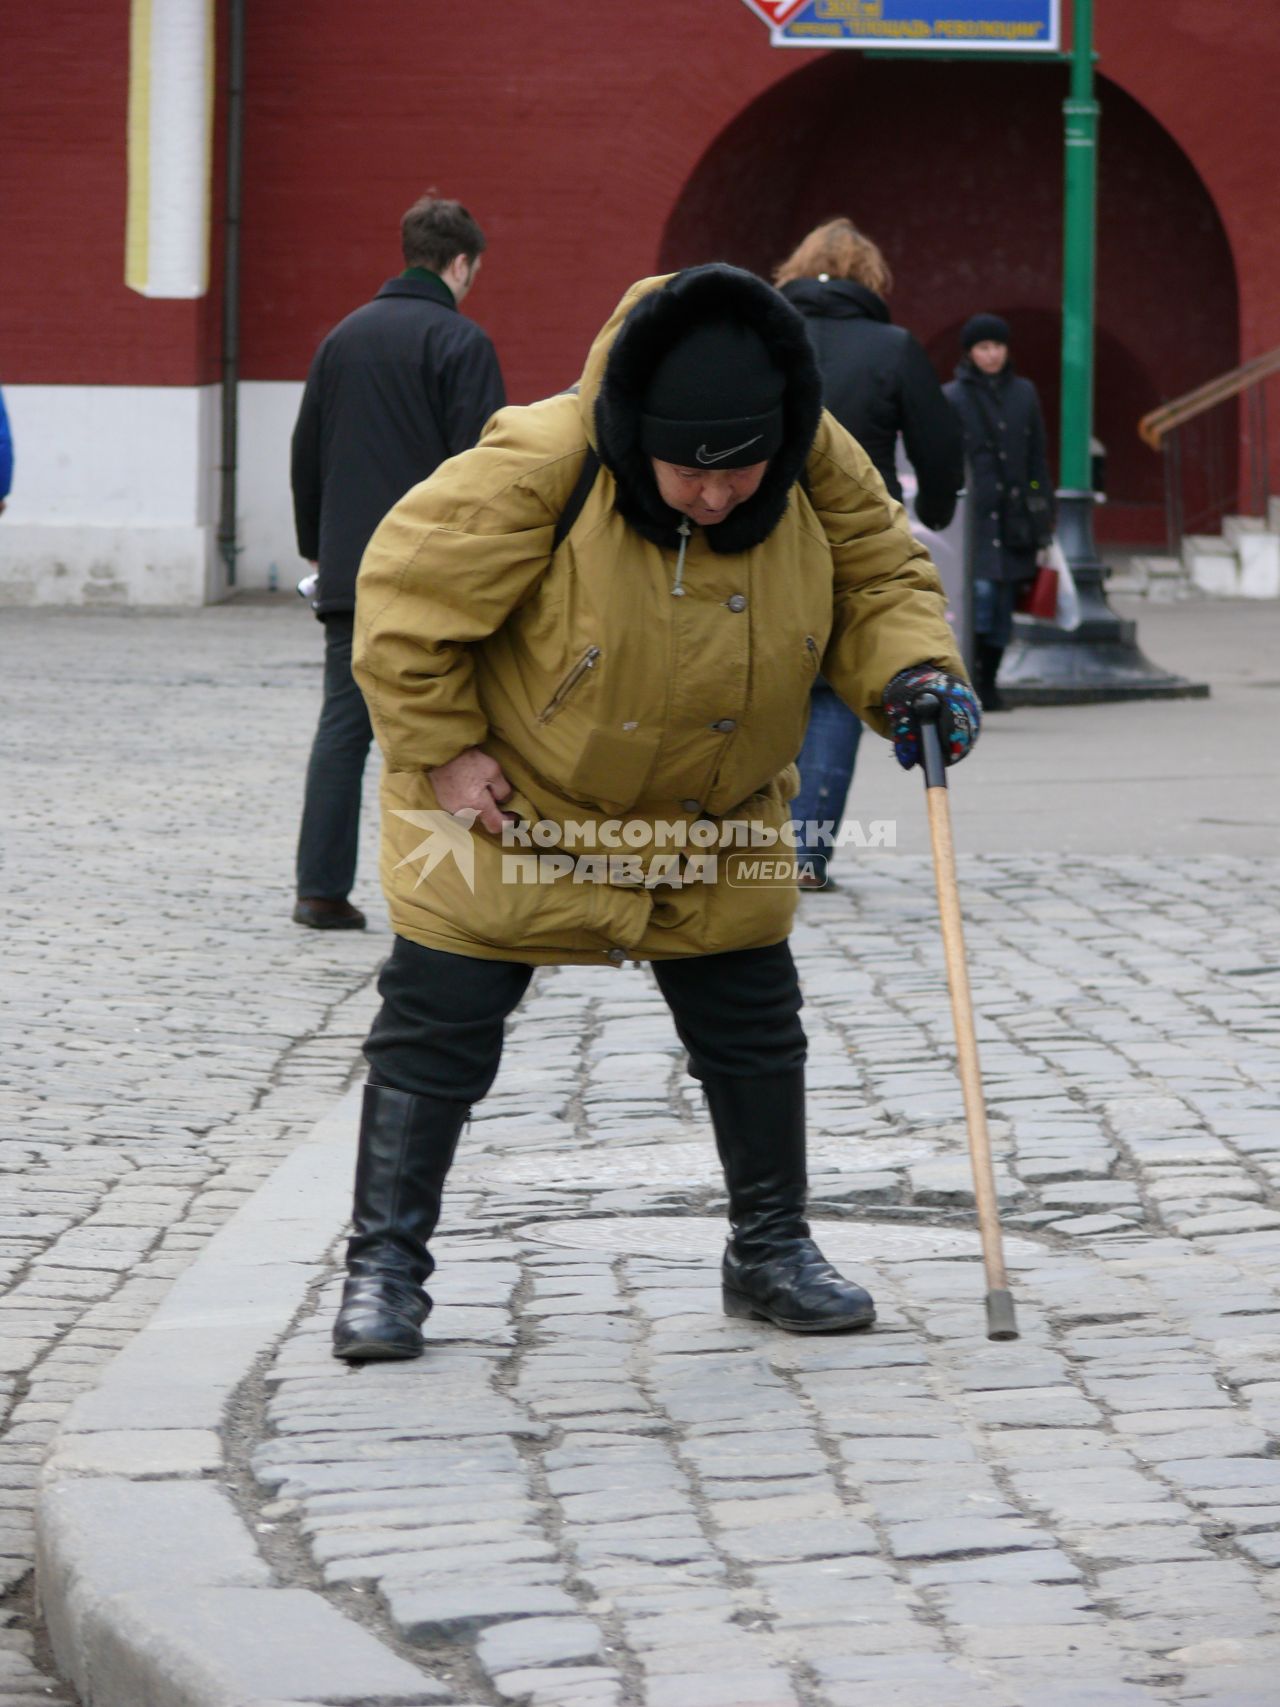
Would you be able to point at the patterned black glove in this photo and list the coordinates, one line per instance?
(959, 719)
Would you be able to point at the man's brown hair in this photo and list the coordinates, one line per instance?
(434, 232)
(840, 251)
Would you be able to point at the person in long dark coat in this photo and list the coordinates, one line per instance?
(1011, 489)
(878, 383)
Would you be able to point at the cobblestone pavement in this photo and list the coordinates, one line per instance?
(596, 1489)
(165, 1033)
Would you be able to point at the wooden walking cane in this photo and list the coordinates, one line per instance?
(1001, 1322)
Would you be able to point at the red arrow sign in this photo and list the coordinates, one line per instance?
(776, 12)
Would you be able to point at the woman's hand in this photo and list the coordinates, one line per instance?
(473, 784)
(959, 723)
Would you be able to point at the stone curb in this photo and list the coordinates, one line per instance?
(150, 1584)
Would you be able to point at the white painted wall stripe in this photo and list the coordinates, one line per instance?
(170, 135)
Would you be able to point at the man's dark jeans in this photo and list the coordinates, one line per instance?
(826, 769)
(329, 838)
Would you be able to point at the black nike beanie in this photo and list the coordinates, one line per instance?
(714, 400)
(984, 328)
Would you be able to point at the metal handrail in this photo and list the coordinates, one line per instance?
(1153, 427)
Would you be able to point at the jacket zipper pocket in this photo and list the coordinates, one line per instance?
(587, 662)
(811, 650)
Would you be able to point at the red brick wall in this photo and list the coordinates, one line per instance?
(566, 126)
(66, 315)
(956, 170)
(585, 138)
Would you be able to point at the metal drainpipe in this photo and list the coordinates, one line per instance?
(227, 546)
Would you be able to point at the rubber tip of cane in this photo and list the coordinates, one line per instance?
(1002, 1324)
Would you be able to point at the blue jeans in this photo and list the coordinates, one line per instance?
(330, 833)
(993, 611)
(826, 768)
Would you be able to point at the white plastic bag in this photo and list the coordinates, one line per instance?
(1067, 614)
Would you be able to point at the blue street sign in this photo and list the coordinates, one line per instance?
(987, 26)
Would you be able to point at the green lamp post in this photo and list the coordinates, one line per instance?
(1100, 659)
(1079, 250)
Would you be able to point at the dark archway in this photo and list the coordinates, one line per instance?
(956, 170)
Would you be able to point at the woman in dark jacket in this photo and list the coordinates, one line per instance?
(1011, 490)
(877, 382)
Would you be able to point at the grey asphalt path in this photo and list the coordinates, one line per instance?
(1164, 777)
(596, 1488)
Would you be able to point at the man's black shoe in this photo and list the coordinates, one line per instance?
(325, 915)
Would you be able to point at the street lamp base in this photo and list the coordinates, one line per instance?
(1088, 665)
(1100, 660)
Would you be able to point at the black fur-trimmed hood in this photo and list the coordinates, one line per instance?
(652, 316)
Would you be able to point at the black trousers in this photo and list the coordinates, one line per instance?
(439, 1032)
(330, 832)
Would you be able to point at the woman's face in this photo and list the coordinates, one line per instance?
(706, 495)
(988, 356)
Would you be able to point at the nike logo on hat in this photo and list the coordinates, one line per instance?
(706, 456)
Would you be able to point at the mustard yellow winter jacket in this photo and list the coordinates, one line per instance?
(611, 704)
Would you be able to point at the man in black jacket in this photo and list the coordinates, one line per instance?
(394, 390)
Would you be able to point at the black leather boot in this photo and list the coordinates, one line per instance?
(406, 1146)
(772, 1268)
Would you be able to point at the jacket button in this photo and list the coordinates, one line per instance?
(737, 602)
(691, 806)
(725, 726)
(616, 956)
